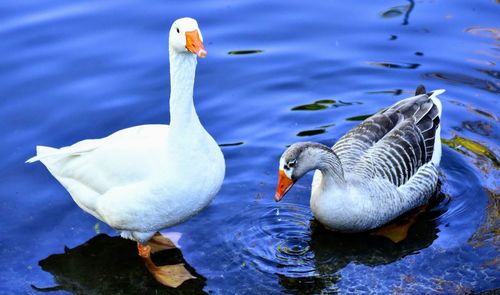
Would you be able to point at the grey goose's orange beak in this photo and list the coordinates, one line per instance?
(284, 185)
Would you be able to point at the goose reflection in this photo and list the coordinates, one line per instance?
(110, 265)
(334, 251)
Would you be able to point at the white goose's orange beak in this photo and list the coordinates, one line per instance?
(194, 43)
(284, 185)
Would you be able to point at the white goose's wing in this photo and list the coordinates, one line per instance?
(89, 168)
(394, 143)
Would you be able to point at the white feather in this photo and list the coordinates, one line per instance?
(145, 178)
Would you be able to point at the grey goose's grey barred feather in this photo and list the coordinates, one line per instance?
(394, 143)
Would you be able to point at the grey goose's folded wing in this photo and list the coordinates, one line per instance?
(394, 143)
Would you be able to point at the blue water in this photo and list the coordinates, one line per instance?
(72, 70)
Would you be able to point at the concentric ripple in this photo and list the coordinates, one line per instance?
(277, 241)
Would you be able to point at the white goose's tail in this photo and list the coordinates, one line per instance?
(43, 152)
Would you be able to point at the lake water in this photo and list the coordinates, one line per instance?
(72, 70)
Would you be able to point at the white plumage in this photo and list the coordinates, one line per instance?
(145, 178)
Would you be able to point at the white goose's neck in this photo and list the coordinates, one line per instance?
(182, 73)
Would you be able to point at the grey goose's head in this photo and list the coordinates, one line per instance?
(296, 161)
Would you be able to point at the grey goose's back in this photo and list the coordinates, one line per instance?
(400, 144)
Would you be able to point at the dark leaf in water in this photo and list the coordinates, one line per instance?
(231, 144)
(325, 101)
(311, 132)
(406, 66)
(241, 52)
(309, 107)
(359, 118)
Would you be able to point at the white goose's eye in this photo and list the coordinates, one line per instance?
(178, 31)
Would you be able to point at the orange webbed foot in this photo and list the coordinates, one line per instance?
(397, 230)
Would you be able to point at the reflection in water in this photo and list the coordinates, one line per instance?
(334, 251)
(479, 127)
(465, 80)
(323, 104)
(306, 257)
(489, 231)
(465, 146)
(407, 66)
(399, 10)
(110, 265)
(394, 91)
(485, 113)
(489, 32)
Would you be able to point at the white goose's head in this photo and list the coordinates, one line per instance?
(185, 37)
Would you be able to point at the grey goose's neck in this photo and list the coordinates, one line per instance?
(325, 160)
(182, 74)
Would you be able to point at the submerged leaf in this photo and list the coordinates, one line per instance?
(458, 142)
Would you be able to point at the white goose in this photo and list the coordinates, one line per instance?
(146, 178)
(379, 170)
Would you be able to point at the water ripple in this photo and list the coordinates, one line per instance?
(278, 240)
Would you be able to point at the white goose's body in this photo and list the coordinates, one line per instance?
(379, 170)
(142, 179)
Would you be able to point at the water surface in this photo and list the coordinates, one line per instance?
(277, 72)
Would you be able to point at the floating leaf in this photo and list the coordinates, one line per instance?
(359, 118)
(310, 107)
(325, 101)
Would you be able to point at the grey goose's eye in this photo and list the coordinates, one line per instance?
(291, 164)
